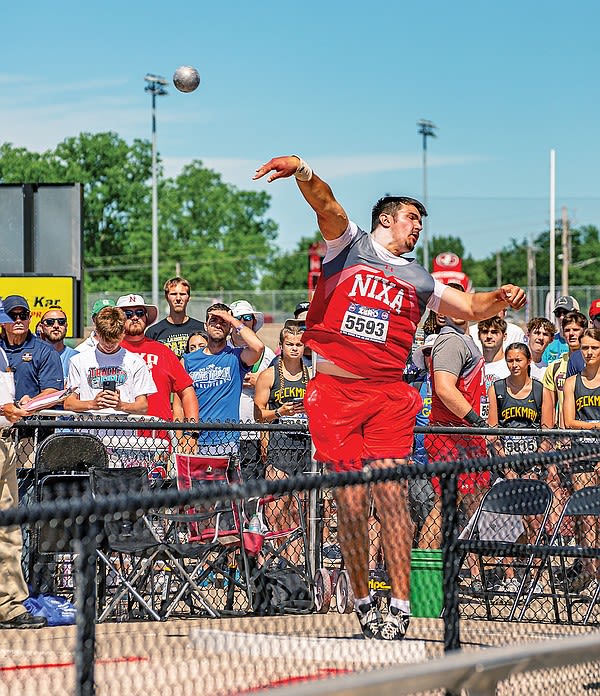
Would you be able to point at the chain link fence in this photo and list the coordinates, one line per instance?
(230, 568)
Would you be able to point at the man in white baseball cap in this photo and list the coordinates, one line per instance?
(136, 303)
(250, 459)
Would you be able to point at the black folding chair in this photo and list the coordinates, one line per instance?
(582, 503)
(61, 468)
(528, 498)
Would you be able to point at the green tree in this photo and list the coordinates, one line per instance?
(289, 270)
(437, 245)
(114, 176)
(218, 234)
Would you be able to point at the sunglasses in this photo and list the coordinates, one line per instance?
(130, 313)
(23, 316)
(51, 322)
(246, 317)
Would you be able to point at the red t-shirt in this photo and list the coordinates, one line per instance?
(167, 372)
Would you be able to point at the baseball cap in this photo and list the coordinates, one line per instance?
(138, 301)
(594, 309)
(101, 304)
(566, 303)
(241, 307)
(4, 318)
(13, 301)
(301, 307)
(417, 356)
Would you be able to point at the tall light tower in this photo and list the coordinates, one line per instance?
(426, 129)
(157, 88)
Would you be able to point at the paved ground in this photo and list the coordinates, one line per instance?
(229, 656)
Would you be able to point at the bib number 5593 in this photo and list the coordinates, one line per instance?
(365, 323)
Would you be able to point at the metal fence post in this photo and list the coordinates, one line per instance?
(85, 568)
(449, 538)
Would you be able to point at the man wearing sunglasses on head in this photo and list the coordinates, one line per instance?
(250, 454)
(53, 327)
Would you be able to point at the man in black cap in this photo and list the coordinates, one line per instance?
(301, 310)
(13, 588)
(562, 306)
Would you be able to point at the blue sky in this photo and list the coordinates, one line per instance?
(341, 83)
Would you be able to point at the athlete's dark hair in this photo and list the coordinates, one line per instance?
(391, 205)
(523, 347)
(217, 305)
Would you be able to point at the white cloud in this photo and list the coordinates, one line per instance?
(239, 171)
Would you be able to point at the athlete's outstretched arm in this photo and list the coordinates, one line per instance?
(480, 305)
(331, 217)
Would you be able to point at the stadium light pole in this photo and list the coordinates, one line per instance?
(427, 130)
(156, 85)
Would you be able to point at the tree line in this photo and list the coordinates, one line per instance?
(218, 236)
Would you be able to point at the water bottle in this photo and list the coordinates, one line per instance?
(255, 525)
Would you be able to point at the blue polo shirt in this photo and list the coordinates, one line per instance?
(36, 366)
(65, 356)
(218, 381)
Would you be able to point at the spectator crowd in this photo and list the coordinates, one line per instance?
(544, 375)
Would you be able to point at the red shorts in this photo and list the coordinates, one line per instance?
(356, 419)
(448, 448)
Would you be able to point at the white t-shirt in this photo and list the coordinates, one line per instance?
(514, 334)
(538, 369)
(493, 371)
(90, 343)
(7, 387)
(90, 368)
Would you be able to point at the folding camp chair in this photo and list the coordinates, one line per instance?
(504, 502)
(132, 553)
(61, 469)
(210, 540)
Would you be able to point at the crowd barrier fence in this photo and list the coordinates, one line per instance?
(512, 533)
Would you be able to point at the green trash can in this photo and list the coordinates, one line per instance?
(426, 583)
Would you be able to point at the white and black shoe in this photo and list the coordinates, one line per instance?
(395, 625)
(370, 620)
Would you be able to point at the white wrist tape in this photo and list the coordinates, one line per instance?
(303, 171)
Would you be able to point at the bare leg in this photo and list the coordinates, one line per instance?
(391, 502)
(352, 511)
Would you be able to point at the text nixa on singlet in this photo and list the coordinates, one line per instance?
(366, 310)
